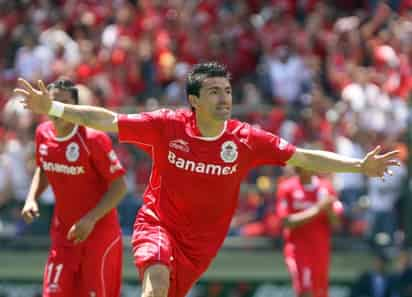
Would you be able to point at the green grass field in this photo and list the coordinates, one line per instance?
(229, 266)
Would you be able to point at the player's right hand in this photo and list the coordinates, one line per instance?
(30, 211)
(37, 100)
(327, 203)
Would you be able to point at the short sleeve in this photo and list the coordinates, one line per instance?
(142, 128)
(269, 149)
(104, 158)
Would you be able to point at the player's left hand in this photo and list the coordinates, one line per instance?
(376, 165)
(81, 230)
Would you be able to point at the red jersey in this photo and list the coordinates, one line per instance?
(79, 168)
(194, 186)
(293, 197)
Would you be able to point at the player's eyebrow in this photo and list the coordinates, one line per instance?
(217, 88)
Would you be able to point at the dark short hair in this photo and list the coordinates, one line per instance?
(202, 71)
(64, 84)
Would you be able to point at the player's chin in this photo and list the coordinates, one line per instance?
(223, 114)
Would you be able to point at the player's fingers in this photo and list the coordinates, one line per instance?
(77, 241)
(375, 151)
(27, 217)
(42, 86)
(21, 92)
(389, 155)
(392, 163)
(72, 233)
(388, 171)
(79, 238)
(27, 85)
(35, 213)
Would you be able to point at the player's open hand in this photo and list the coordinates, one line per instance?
(37, 100)
(30, 211)
(376, 165)
(81, 230)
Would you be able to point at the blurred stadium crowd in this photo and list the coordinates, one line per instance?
(329, 74)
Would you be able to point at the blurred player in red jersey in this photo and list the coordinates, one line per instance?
(308, 208)
(200, 157)
(85, 257)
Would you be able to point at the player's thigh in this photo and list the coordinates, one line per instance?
(101, 268)
(152, 245)
(59, 278)
(182, 275)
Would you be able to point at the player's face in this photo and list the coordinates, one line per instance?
(215, 99)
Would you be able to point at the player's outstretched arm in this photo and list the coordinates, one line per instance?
(39, 101)
(39, 183)
(82, 228)
(373, 164)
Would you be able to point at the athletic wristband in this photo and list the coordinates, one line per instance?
(56, 109)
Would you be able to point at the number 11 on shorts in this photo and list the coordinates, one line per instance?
(57, 272)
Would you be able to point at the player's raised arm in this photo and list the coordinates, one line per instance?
(372, 165)
(39, 101)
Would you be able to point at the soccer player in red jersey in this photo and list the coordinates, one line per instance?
(200, 157)
(85, 257)
(308, 208)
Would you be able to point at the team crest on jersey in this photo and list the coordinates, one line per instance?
(43, 149)
(180, 145)
(72, 152)
(112, 156)
(229, 152)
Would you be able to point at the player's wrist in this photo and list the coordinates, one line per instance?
(56, 109)
(91, 218)
(360, 165)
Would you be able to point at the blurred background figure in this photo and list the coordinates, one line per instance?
(374, 282)
(309, 210)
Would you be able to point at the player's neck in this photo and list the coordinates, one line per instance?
(208, 127)
(63, 129)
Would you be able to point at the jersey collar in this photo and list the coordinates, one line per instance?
(193, 130)
(68, 136)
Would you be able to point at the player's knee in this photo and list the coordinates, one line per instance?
(156, 281)
(305, 294)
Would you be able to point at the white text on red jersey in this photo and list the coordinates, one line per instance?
(200, 167)
(62, 168)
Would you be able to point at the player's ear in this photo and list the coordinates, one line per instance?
(194, 101)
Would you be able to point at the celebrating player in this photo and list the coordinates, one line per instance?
(85, 257)
(199, 160)
(308, 208)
